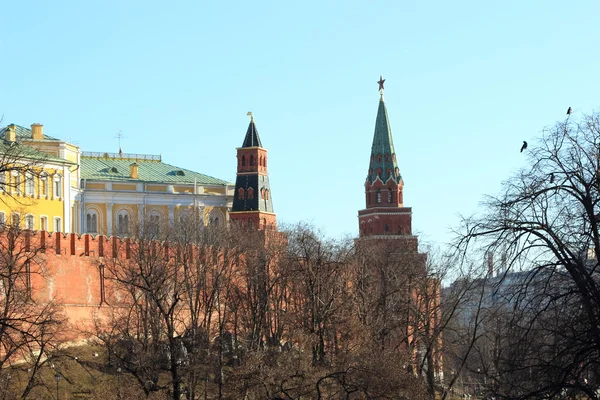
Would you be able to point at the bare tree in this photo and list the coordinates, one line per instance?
(29, 330)
(545, 221)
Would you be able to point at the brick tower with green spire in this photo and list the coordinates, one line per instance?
(252, 203)
(385, 215)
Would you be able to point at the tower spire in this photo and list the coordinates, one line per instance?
(385, 213)
(252, 204)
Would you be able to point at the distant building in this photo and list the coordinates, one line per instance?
(67, 190)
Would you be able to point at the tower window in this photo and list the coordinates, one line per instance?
(241, 193)
(378, 196)
(243, 161)
(389, 195)
(251, 160)
(386, 228)
(250, 193)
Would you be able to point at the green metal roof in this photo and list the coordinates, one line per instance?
(117, 169)
(383, 147)
(23, 133)
(16, 152)
(252, 139)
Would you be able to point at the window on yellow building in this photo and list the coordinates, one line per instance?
(2, 182)
(15, 220)
(2, 219)
(57, 224)
(29, 184)
(44, 223)
(57, 186)
(44, 184)
(29, 222)
(16, 182)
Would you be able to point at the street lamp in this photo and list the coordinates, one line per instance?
(119, 383)
(57, 378)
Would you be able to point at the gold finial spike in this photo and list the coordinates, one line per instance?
(251, 116)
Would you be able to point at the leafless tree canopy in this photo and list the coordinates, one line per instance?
(542, 336)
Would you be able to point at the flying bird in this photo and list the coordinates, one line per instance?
(569, 111)
(552, 177)
(524, 146)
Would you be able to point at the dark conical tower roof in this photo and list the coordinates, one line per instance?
(252, 139)
(383, 155)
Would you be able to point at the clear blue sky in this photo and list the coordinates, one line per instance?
(466, 82)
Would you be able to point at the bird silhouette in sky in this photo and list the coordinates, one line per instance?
(552, 177)
(569, 111)
(524, 146)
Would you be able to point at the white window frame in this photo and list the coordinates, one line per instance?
(29, 184)
(15, 220)
(57, 188)
(2, 219)
(43, 190)
(43, 223)
(29, 222)
(57, 224)
(16, 182)
(123, 217)
(91, 218)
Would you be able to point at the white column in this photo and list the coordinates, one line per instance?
(109, 219)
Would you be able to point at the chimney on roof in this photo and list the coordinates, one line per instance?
(134, 171)
(10, 134)
(37, 131)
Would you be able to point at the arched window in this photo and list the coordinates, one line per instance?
(91, 222)
(241, 193)
(123, 223)
(389, 195)
(29, 184)
(378, 196)
(16, 181)
(29, 222)
(57, 185)
(216, 218)
(250, 193)
(57, 224)
(251, 159)
(267, 194)
(44, 184)
(262, 193)
(243, 161)
(153, 223)
(15, 220)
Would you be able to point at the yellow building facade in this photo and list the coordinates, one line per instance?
(49, 184)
